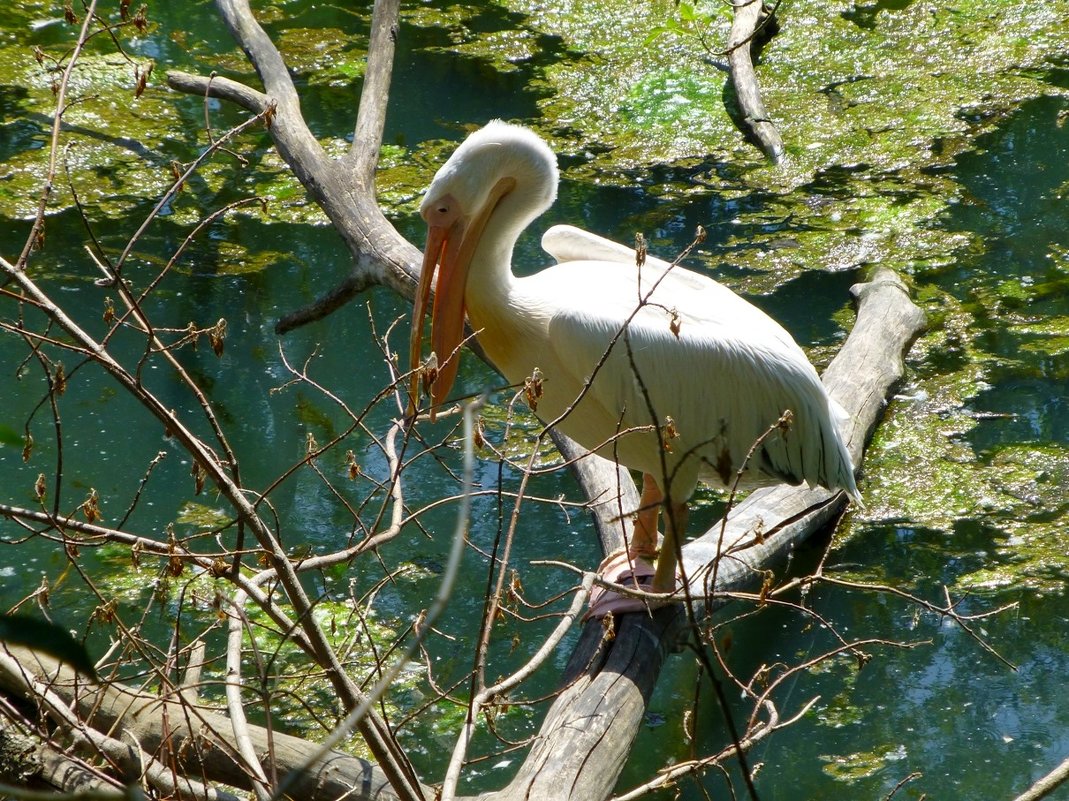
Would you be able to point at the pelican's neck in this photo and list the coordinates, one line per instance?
(504, 321)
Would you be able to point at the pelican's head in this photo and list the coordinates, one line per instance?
(502, 171)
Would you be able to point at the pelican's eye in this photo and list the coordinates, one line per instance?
(441, 212)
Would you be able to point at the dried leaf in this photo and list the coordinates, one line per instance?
(59, 379)
(669, 432)
(105, 612)
(786, 420)
(216, 336)
(608, 628)
(532, 389)
(176, 171)
(766, 585)
(351, 463)
(198, 478)
(640, 250)
(141, 78)
(91, 507)
(141, 19)
(430, 373)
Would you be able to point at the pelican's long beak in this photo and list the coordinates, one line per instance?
(447, 321)
(450, 248)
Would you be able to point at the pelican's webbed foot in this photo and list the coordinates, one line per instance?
(628, 569)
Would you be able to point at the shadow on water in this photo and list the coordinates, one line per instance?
(864, 14)
(1016, 284)
(438, 80)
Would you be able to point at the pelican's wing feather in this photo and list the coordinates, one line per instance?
(567, 243)
(696, 352)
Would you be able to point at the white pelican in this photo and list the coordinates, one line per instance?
(683, 394)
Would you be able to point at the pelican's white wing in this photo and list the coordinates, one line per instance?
(727, 376)
(567, 243)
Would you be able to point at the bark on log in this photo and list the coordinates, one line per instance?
(755, 122)
(27, 762)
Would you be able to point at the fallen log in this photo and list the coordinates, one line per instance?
(28, 762)
(195, 738)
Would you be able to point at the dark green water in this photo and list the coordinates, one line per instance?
(943, 708)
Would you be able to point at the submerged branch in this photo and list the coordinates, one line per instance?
(755, 122)
(1047, 785)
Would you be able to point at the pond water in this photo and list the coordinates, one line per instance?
(964, 483)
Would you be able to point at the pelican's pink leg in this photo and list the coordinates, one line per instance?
(675, 526)
(644, 538)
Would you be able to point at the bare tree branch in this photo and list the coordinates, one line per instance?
(371, 118)
(1047, 785)
(221, 88)
(342, 187)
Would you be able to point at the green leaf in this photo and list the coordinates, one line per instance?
(654, 35)
(40, 635)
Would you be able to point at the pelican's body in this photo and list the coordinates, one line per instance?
(724, 379)
(698, 377)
